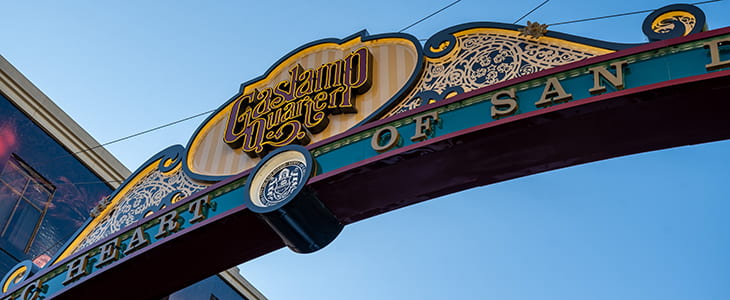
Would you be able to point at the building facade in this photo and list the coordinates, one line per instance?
(52, 173)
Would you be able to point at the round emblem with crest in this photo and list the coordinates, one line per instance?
(281, 183)
(278, 178)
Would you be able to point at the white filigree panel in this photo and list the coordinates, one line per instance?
(148, 195)
(487, 58)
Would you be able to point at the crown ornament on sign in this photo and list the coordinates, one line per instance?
(534, 30)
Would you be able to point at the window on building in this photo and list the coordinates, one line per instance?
(24, 199)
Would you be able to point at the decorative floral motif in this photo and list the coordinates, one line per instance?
(534, 30)
(484, 59)
(148, 195)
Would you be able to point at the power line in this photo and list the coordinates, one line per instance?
(71, 154)
(129, 136)
(622, 14)
(431, 15)
(145, 131)
(603, 17)
(529, 12)
(85, 182)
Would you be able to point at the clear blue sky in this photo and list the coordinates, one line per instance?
(648, 226)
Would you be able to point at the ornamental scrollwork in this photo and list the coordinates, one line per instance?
(486, 58)
(673, 21)
(149, 195)
(667, 25)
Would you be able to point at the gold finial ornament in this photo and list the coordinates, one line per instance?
(673, 21)
(534, 30)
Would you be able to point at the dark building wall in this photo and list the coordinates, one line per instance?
(45, 192)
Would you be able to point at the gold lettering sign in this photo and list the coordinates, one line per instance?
(290, 111)
(315, 92)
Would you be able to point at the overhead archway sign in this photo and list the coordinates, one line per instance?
(340, 130)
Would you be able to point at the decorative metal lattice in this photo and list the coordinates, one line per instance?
(152, 193)
(483, 59)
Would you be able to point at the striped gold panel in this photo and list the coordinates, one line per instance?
(394, 61)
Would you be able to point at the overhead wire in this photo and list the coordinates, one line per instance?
(429, 16)
(622, 14)
(69, 154)
(530, 12)
(587, 19)
(111, 182)
(145, 131)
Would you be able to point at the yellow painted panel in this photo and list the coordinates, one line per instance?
(394, 60)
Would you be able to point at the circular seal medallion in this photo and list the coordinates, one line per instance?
(281, 183)
(278, 178)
